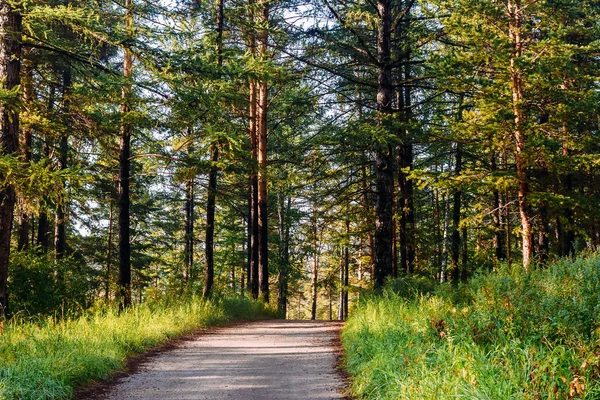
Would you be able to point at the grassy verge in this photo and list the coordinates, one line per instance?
(507, 335)
(48, 359)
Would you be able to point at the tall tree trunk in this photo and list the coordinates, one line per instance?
(25, 150)
(384, 177)
(313, 286)
(10, 65)
(124, 284)
(514, 8)
(284, 253)
(60, 234)
(253, 226)
(109, 252)
(497, 216)
(210, 226)
(263, 95)
(253, 283)
(405, 185)
(346, 271)
(263, 218)
(367, 204)
(189, 231)
(43, 238)
(456, 208)
(209, 271)
(341, 298)
(249, 252)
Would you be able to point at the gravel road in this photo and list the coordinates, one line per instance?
(258, 360)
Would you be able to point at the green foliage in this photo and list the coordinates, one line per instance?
(507, 335)
(39, 285)
(48, 359)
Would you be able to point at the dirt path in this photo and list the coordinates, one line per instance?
(258, 360)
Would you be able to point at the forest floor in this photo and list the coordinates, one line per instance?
(273, 359)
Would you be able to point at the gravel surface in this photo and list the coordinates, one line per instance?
(259, 360)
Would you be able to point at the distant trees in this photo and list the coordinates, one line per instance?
(328, 147)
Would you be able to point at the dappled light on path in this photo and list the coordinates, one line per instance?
(260, 360)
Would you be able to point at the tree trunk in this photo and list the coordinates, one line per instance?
(249, 225)
(210, 225)
(43, 238)
(212, 179)
(10, 65)
(497, 217)
(405, 185)
(254, 242)
(384, 177)
(315, 277)
(341, 298)
(60, 234)
(188, 273)
(284, 253)
(25, 150)
(253, 283)
(456, 208)
(124, 284)
(514, 7)
(263, 218)
(109, 253)
(346, 271)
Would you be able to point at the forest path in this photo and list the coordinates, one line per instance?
(273, 359)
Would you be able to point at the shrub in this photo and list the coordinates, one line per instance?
(503, 335)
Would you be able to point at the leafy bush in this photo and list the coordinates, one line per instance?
(39, 285)
(505, 335)
(47, 359)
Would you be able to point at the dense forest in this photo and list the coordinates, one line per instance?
(295, 152)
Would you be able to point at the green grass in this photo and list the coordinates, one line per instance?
(48, 359)
(507, 335)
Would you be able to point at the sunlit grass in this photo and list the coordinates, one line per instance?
(48, 359)
(508, 335)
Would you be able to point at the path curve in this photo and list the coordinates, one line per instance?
(276, 359)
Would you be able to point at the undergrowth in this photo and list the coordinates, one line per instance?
(49, 359)
(504, 335)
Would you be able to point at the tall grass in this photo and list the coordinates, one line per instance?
(507, 335)
(48, 359)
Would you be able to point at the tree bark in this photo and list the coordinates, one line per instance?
(313, 286)
(263, 218)
(520, 137)
(188, 273)
(124, 284)
(10, 65)
(346, 271)
(456, 209)
(25, 150)
(253, 277)
(253, 226)
(109, 253)
(212, 179)
(497, 217)
(43, 238)
(384, 177)
(284, 253)
(60, 234)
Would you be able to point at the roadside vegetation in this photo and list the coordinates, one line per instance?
(504, 335)
(50, 358)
